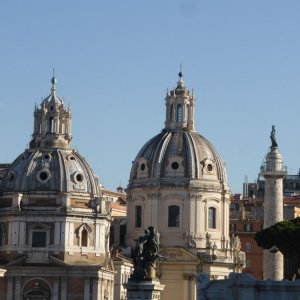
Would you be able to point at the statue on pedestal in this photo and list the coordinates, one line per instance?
(147, 254)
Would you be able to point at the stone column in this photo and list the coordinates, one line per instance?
(10, 288)
(17, 288)
(86, 289)
(273, 172)
(55, 288)
(63, 288)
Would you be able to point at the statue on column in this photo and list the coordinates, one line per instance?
(273, 138)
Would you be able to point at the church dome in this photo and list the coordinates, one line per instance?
(50, 165)
(178, 152)
(51, 170)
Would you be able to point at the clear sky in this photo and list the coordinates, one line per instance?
(115, 59)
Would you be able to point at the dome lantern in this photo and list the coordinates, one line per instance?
(180, 108)
(52, 122)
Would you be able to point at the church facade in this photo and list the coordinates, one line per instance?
(54, 224)
(178, 184)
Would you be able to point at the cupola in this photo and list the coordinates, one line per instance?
(180, 108)
(52, 123)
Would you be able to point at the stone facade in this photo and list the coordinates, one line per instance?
(178, 184)
(54, 224)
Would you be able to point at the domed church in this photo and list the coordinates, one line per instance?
(178, 184)
(54, 224)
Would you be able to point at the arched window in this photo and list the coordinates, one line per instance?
(212, 217)
(179, 113)
(51, 125)
(171, 113)
(84, 238)
(138, 216)
(173, 216)
(83, 234)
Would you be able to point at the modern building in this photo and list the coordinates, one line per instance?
(54, 223)
(178, 184)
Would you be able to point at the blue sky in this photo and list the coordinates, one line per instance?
(115, 59)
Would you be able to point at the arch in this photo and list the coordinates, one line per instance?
(179, 115)
(173, 216)
(36, 288)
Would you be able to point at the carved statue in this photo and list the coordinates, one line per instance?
(208, 241)
(273, 138)
(236, 243)
(190, 239)
(147, 254)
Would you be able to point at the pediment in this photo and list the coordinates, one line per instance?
(173, 254)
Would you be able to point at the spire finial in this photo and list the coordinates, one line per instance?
(53, 81)
(180, 72)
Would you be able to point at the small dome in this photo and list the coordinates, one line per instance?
(50, 170)
(177, 154)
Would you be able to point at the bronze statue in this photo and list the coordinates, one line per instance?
(273, 138)
(147, 254)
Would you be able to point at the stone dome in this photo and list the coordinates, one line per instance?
(178, 155)
(50, 165)
(51, 170)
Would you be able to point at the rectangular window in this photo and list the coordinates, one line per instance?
(248, 247)
(248, 263)
(138, 216)
(248, 227)
(122, 234)
(173, 219)
(39, 239)
(212, 217)
(232, 227)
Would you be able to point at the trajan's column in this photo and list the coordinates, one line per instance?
(273, 172)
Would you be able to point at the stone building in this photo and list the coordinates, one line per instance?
(54, 225)
(178, 184)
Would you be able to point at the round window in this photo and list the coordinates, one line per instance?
(143, 167)
(43, 176)
(47, 156)
(209, 167)
(72, 158)
(79, 177)
(11, 176)
(175, 165)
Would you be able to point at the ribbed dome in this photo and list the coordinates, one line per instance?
(50, 165)
(178, 154)
(50, 170)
